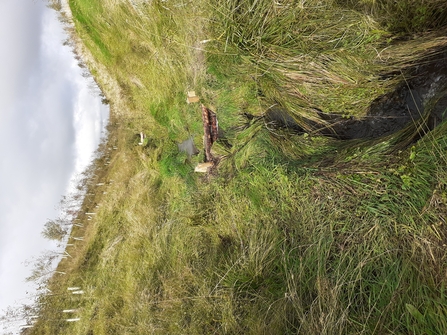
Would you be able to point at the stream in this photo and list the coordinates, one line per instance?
(423, 95)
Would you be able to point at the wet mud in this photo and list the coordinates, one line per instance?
(421, 97)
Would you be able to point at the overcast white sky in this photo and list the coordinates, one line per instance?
(50, 124)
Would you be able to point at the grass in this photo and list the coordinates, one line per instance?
(292, 234)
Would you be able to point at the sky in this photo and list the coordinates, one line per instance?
(50, 124)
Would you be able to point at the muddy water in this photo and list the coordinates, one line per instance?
(424, 94)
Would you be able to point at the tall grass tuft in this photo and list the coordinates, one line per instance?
(329, 56)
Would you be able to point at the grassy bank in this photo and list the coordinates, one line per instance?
(291, 234)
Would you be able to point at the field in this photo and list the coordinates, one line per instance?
(295, 230)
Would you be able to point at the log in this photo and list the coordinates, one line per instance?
(210, 130)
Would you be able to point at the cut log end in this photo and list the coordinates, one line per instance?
(203, 167)
(192, 97)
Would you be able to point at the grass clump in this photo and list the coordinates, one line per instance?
(291, 234)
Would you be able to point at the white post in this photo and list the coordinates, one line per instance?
(69, 310)
(75, 288)
(73, 320)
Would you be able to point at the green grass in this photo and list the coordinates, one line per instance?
(291, 234)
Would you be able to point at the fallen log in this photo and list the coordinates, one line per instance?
(210, 130)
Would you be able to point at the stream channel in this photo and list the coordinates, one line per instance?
(422, 97)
